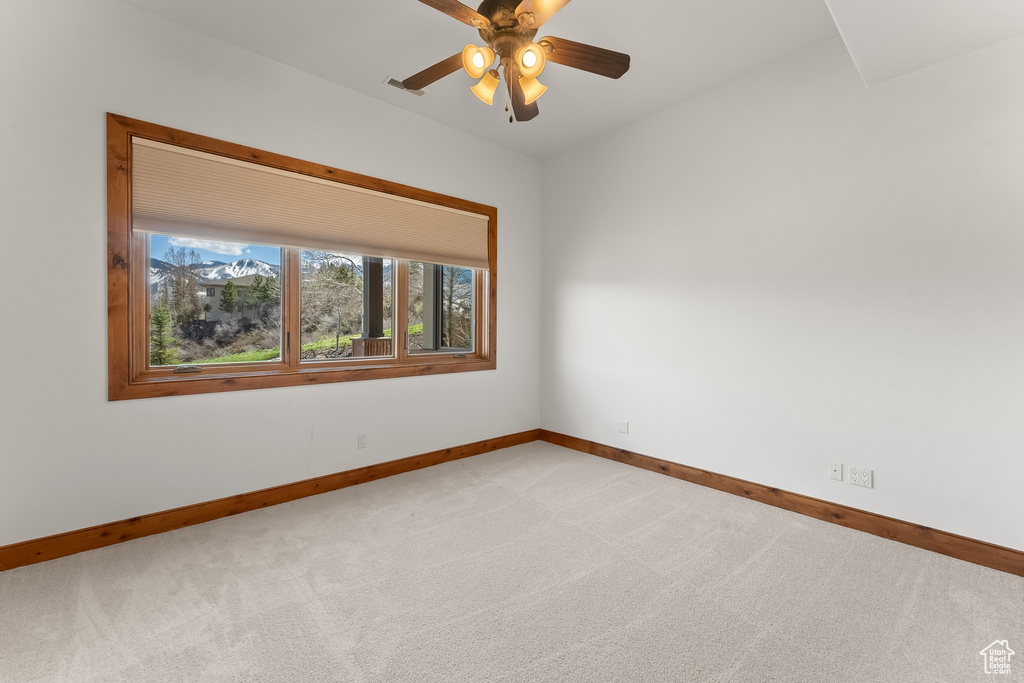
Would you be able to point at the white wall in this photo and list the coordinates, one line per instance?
(808, 270)
(69, 458)
(793, 269)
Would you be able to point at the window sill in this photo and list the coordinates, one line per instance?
(155, 383)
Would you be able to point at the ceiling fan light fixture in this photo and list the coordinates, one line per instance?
(475, 60)
(532, 89)
(531, 59)
(486, 87)
(507, 27)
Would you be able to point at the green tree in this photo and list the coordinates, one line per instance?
(457, 307)
(274, 290)
(229, 297)
(265, 295)
(184, 284)
(258, 290)
(160, 340)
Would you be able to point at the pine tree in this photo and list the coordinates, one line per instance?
(258, 290)
(229, 297)
(274, 289)
(265, 295)
(160, 339)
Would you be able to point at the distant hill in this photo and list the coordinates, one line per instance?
(159, 270)
(248, 266)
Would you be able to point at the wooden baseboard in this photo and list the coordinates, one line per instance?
(71, 542)
(963, 548)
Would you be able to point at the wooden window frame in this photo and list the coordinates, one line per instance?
(129, 375)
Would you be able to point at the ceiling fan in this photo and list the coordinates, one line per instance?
(509, 27)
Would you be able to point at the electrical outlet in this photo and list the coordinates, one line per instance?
(835, 471)
(861, 476)
(361, 441)
(623, 427)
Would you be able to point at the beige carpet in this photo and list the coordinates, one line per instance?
(530, 564)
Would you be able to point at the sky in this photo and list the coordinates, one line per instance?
(210, 250)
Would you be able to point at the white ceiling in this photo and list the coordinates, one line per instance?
(888, 38)
(678, 50)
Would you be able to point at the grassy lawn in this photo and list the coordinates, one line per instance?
(272, 354)
(328, 343)
(246, 357)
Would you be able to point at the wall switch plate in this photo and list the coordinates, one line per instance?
(861, 476)
(835, 471)
(623, 427)
(361, 441)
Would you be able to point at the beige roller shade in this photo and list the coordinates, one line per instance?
(182, 192)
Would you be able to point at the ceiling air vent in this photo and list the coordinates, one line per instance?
(398, 84)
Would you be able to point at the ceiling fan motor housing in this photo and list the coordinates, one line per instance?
(506, 34)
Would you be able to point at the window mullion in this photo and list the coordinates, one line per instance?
(139, 306)
(481, 312)
(291, 339)
(400, 315)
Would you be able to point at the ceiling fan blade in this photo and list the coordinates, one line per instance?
(454, 8)
(433, 73)
(542, 10)
(522, 111)
(596, 60)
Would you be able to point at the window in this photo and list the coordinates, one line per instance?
(440, 308)
(232, 268)
(346, 305)
(190, 323)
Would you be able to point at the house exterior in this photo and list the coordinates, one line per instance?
(212, 292)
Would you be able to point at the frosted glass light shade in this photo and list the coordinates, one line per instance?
(486, 87)
(532, 89)
(475, 60)
(531, 59)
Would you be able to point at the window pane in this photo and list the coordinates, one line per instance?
(346, 303)
(441, 308)
(213, 302)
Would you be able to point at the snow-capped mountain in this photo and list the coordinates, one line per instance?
(159, 270)
(212, 270)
